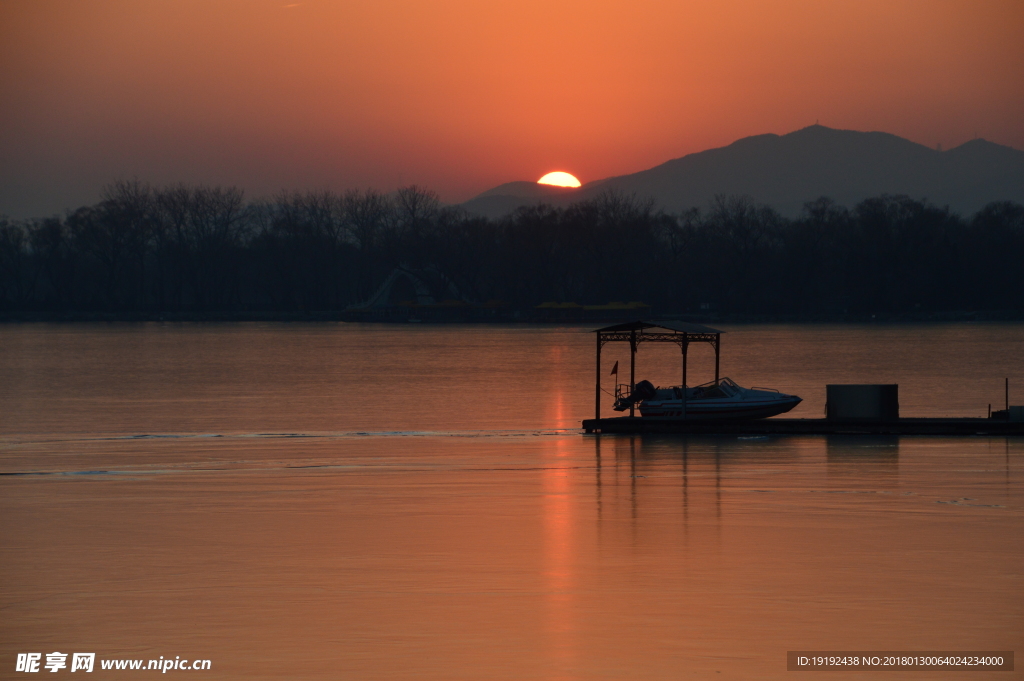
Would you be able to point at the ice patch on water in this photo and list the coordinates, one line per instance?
(26, 473)
(329, 435)
(358, 434)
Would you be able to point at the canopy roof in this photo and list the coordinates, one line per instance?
(681, 327)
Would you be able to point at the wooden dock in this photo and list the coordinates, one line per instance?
(777, 426)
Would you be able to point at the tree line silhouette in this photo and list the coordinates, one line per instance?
(199, 249)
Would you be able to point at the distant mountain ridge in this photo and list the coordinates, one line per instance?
(785, 171)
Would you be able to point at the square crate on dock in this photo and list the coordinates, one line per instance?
(869, 402)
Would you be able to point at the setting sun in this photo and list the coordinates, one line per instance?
(559, 179)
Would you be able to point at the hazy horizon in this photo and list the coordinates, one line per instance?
(542, 190)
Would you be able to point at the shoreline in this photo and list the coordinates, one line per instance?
(511, 318)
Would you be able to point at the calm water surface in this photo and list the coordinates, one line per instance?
(416, 502)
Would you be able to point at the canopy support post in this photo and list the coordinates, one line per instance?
(632, 369)
(718, 348)
(685, 346)
(597, 392)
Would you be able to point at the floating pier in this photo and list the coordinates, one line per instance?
(777, 426)
(851, 409)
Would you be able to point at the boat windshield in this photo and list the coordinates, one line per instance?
(722, 381)
(724, 387)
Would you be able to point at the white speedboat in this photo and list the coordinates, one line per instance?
(722, 399)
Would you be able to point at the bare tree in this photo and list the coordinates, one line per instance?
(13, 259)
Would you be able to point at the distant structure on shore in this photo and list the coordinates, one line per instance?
(427, 294)
(784, 171)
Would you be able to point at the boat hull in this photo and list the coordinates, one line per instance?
(702, 410)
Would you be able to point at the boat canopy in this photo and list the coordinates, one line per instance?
(635, 333)
(677, 326)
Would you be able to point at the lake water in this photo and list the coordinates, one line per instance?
(338, 501)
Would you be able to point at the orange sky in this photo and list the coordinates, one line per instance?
(460, 95)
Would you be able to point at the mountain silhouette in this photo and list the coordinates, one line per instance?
(785, 171)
